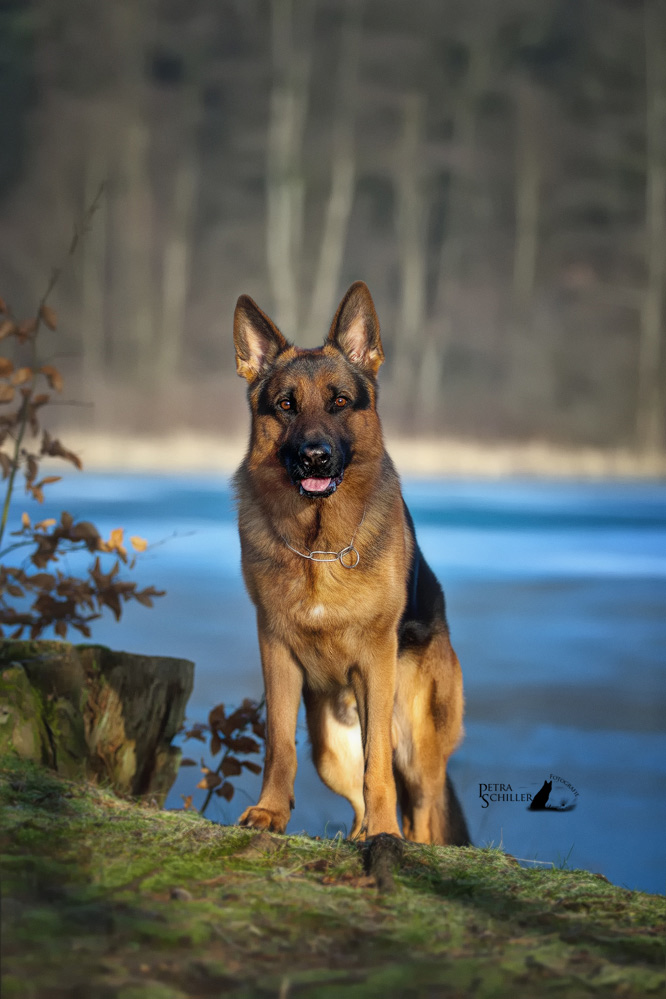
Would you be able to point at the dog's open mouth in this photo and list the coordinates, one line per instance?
(319, 486)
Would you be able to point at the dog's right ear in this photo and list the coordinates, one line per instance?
(258, 341)
(355, 330)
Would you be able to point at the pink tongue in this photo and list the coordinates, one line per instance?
(315, 485)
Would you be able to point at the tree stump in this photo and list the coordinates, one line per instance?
(91, 713)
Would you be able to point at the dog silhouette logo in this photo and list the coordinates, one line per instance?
(563, 800)
(540, 800)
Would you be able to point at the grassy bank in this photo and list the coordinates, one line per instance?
(102, 898)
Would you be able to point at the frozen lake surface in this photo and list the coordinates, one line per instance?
(556, 596)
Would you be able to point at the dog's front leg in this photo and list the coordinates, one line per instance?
(283, 683)
(373, 681)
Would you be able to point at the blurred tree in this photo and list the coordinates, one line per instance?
(16, 32)
(496, 172)
(343, 171)
(650, 394)
(291, 54)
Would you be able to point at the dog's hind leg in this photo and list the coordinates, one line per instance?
(427, 725)
(337, 749)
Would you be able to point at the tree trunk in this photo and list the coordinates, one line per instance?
(412, 234)
(94, 714)
(527, 188)
(285, 192)
(528, 370)
(343, 174)
(137, 234)
(460, 200)
(94, 261)
(176, 264)
(650, 391)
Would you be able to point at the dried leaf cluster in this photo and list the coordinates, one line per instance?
(48, 598)
(230, 735)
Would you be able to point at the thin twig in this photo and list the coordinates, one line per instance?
(79, 233)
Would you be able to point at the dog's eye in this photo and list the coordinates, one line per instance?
(285, 404)
(341, 401)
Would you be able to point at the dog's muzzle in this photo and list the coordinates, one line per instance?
(317, 469)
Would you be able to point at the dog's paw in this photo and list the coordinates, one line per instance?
(264, 818)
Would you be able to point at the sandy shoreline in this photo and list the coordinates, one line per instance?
(190, 452)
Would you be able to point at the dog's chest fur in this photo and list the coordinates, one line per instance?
(326, 614)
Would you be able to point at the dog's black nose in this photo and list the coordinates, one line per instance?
(315, 456)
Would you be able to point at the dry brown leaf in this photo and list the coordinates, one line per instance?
(244, 744)
(3, 305)
(25, 520)
(43, 525)
(138, 544)
(6, 393)
(209, 781)
(231, 767)
(6, 367)
(21, 376)
(7, 327)
(216, 715)
(56, 450)
(48, 316)
(226, 791)
(116, 537)
(53, 376)
(43, 580)
(254, 768)
(143, 598)
(85, 531)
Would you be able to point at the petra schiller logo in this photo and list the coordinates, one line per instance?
(490, 793)
(555, 795)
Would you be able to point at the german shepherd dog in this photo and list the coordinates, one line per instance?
(349, 614)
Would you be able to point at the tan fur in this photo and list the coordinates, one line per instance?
(330, 632)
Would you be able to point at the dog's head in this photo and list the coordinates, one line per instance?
(313, 411)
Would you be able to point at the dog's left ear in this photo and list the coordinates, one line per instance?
(257, 339)
(355, 330)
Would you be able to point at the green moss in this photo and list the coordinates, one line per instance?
(169, 905)
(19, 651)
(22, 729)
(151, 990)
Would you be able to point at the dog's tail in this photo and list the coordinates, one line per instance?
(457, 831)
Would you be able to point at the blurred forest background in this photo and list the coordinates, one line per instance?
(495, 170)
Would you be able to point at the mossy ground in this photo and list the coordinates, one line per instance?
(102, 898)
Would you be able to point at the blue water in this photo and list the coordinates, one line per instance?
(556, 596)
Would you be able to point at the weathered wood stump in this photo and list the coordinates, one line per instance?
(91, 713)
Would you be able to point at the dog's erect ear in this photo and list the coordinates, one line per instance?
(355, 330)
(258, 341)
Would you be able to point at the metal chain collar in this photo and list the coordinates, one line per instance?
(323, 556)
